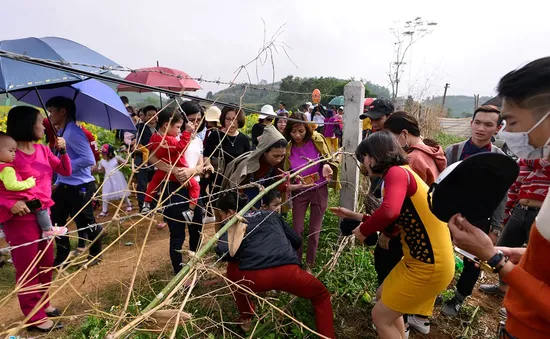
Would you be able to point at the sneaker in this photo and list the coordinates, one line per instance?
(91, 261)
(55, 231)
(2, 234)
(452, 307)
(129, 209)
(209, 220)
(502, 312)
(492, 289)
(422, 325)
(188, 215)
(146, 208)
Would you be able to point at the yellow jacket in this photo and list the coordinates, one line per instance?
(324, 150)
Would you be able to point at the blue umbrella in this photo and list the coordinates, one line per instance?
(96, 103)
(15, 75)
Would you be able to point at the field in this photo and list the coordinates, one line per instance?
(97, 301)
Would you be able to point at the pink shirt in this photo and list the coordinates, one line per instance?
(40, 165)
(299, 158)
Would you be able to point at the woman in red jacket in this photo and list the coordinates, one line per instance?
(426, 157)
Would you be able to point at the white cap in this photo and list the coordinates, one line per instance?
(341, 108)
(267, 110)
(309, 103)
(212, 114)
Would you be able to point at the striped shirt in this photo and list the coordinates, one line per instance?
(532, 183)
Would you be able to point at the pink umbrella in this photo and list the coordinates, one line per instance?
(163, 77)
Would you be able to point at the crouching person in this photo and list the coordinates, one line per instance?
(261, 251)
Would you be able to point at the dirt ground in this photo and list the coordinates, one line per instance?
(119, 261)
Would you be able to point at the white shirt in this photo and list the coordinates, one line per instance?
(308, 116)
(319, 119)
(193, 154)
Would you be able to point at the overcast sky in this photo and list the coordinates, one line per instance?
(473, 45)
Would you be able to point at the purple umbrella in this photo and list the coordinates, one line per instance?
(96, 103)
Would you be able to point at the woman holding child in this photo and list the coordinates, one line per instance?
(25, 126)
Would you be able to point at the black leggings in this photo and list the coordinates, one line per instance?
(176, 223)
(385, 260)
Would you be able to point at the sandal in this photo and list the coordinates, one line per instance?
(54, 314)
(161, 225)
(55, 326)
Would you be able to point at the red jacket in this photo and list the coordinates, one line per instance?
(92, 141)
(50, 137)
(169, 149)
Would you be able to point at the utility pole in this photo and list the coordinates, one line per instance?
(445, 96)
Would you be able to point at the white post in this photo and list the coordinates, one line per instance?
(354, 98)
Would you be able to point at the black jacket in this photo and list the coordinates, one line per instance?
(268, 242)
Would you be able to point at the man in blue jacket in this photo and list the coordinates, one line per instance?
(72, 194)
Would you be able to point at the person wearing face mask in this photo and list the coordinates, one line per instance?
(486, 122)
(526, 271)
(426, 157)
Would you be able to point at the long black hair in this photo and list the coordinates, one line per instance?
(384, 148)
(232, 200)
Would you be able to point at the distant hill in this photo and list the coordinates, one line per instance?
(458, 104)
(253, 98)
(262, 94)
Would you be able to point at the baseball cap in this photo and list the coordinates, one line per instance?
(377, 109)
(473, 187)
(267, 110)
(212, 114)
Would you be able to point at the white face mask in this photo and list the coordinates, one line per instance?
(518, 142)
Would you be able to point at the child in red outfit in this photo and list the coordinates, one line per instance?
(170, 150)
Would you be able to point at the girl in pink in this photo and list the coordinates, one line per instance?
(25, 126)
(306, 145)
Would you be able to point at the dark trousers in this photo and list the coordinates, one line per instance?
(177, 224)
(385, 260)
(144, 176)
(69, 200)
(517, 229)
(470, 273)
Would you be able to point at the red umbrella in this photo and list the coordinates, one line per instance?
(163, 77)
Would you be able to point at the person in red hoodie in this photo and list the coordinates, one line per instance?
(426, 157)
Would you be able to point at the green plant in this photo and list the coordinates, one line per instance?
(251, 119)
(446, 140)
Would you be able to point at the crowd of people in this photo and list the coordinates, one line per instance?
(197, 166)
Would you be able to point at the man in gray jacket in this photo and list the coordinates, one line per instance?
(486, 122)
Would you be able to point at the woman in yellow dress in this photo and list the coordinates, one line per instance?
(427, 266)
